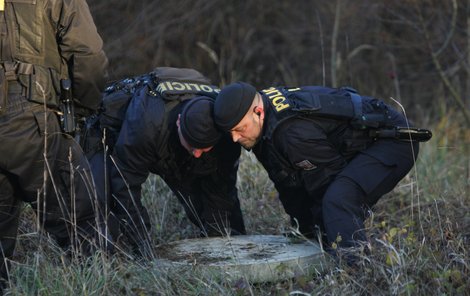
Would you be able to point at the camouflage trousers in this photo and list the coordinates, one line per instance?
(45, 168)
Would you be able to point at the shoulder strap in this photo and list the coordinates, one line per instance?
(169, 83)
(316, 102)
(5, 48)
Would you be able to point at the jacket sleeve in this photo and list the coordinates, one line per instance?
(219, 191)
(81, 48)
(128, 173)
(307, 149)
(133, 154)
(220, 185)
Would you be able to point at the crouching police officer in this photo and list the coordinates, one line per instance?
(42, 42)
(158, 123)
(330, 152)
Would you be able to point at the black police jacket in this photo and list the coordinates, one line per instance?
(148, 142)
(303, 154)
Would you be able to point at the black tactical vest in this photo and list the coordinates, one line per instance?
(346, 120)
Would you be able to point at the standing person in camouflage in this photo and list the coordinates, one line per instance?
(42, 44)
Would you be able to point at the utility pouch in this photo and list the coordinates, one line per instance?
(40, 83)
(3, 91)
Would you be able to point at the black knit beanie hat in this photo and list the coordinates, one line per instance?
(197, 123)
(232, 104)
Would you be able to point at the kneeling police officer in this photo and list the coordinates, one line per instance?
(161, 123)
(330, 152)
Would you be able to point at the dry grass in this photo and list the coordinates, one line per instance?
(419, 234)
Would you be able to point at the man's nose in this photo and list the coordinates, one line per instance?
(197, 153)
(235, 137)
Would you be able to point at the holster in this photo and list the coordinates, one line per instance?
(402, 134)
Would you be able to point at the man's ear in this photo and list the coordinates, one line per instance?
(259, 111)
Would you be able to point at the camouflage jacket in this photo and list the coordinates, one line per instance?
(48, 40)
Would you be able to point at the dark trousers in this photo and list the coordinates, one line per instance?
(41, 166)
(101, 171)
(368, 176)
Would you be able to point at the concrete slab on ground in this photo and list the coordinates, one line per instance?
(257, 258)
